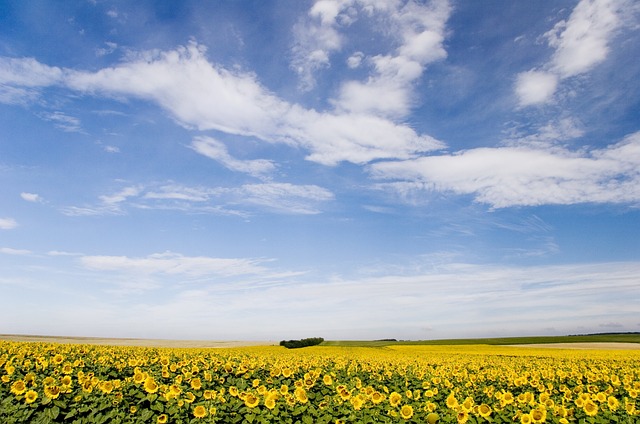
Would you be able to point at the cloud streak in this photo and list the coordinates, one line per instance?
(216, 150)
(8, 223)
(169, 263)
(244, 200)
(526, 176)
(454, 300)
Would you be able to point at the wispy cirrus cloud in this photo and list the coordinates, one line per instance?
(11, 251)
(63, 121)
(244, 200)
(169, 263)
(580, 42)
(456, 300)
(524, 175)
(216, 150)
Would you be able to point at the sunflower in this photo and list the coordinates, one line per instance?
(18, 387)
(327, 380)
(452, 402)
(106, 386)
(162, 418)
(31, 396)
(189, 397)
(539, 415)
(613, 403)
(467, 405)
(52, 392)
(357, 402)
(484, 410)
(525, 419)
(432, 418)
(139, 377)
(301, 395)
(199, 411)
(150, 385)
(463, 417)
(270, 402)
(395, 398)
(377, 397)
(286, 372)
(251, 400)
(406, 412)
(196, 384)
(590, 408)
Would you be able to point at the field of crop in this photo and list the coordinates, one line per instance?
(73, 383)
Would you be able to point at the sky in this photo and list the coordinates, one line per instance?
(346, 169)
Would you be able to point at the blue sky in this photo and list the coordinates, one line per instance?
(352, 169)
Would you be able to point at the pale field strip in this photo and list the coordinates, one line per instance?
(591, 345)
(136, 342)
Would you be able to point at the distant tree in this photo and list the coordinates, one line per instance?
(295, 344)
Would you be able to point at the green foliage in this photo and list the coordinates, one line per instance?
(295, 344)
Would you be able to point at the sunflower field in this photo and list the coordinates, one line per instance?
(66, 383)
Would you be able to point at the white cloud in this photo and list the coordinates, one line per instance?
(201, 95)
(17, 96)
(62, 253)
(281, 198)
(62, 121)
(31, 197)
(552, 133)
(580, 44)
(457, 300)
(110, 48)
(169, 263)
(316, 37)
(535, 87)
(355, 60)
(526, 176)
(388, 90)
(10, 251)
(284, 197)
(583, 41)
(28, 72)
(8, 223)
(216, 150)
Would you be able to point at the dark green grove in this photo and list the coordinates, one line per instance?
(295, 344)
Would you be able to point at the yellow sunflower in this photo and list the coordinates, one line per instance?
(150, 385)
(406, 412)
(52, 392)
(301, 395)
(18, 387)
(395, 398)
(30, 396)
(199, 411)
(484, 410)
(251, 400)
(590, 408)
